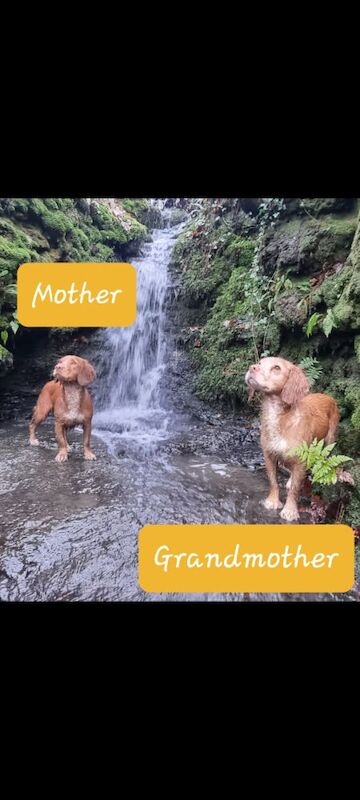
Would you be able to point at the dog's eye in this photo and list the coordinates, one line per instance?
(276, 367)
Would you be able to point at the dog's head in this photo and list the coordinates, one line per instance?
(276, 376)
(73, 369)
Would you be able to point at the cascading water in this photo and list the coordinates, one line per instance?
(132, 360)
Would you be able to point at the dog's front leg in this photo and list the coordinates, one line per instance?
(88, 454)
(62, 441)
(290, 510)
(272, 500)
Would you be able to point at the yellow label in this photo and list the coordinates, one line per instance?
(73, 295)
(246, 558)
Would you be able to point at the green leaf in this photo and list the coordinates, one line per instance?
(329, 323)
(4, 336)
(328, 449)
(312, 369)
(312, 323)
(11, 289)
(14, 325)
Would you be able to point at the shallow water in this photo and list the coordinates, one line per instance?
(71, 529)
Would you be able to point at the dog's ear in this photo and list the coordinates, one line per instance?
(296, 386)
(86, 373)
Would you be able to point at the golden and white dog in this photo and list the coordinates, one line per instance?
(290, 415)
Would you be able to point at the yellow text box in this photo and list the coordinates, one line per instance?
(76, 295)
(246, 558)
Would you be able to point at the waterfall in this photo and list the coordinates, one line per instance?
(131, 361)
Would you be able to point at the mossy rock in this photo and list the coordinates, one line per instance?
(227, 341)
(144, 212)
(289, 310)
(206, 261)
(307, 245)
(341, 291)
(318, 206)
(347, 308)
(177, 216)
(222, 377)
(38, 241)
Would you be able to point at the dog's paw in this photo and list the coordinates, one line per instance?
(272, 504)
(34, 442)
(62, 456)
(290, 514)
(89, 456)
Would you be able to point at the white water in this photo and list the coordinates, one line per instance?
(132, 360)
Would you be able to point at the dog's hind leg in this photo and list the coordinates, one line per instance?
(41, 410)
(290, 511)
(66, 439)
(334, 417)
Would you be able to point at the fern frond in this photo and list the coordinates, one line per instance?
(317, 459)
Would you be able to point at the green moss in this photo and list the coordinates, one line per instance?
(18, 206)
(137, 206)
(137, 231)
(289, 310)
(325, 205)
(37, 207)
(112, 232)
(317, 206)
(307, 245)
(221, 375)
(56, 223)
(207, 261)
(51, 204)
(347, 308)
(227, 341)
(101, 252)
(347, 438)
(11, 255)
(341, 291)
(355, 419)
(115, 235)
